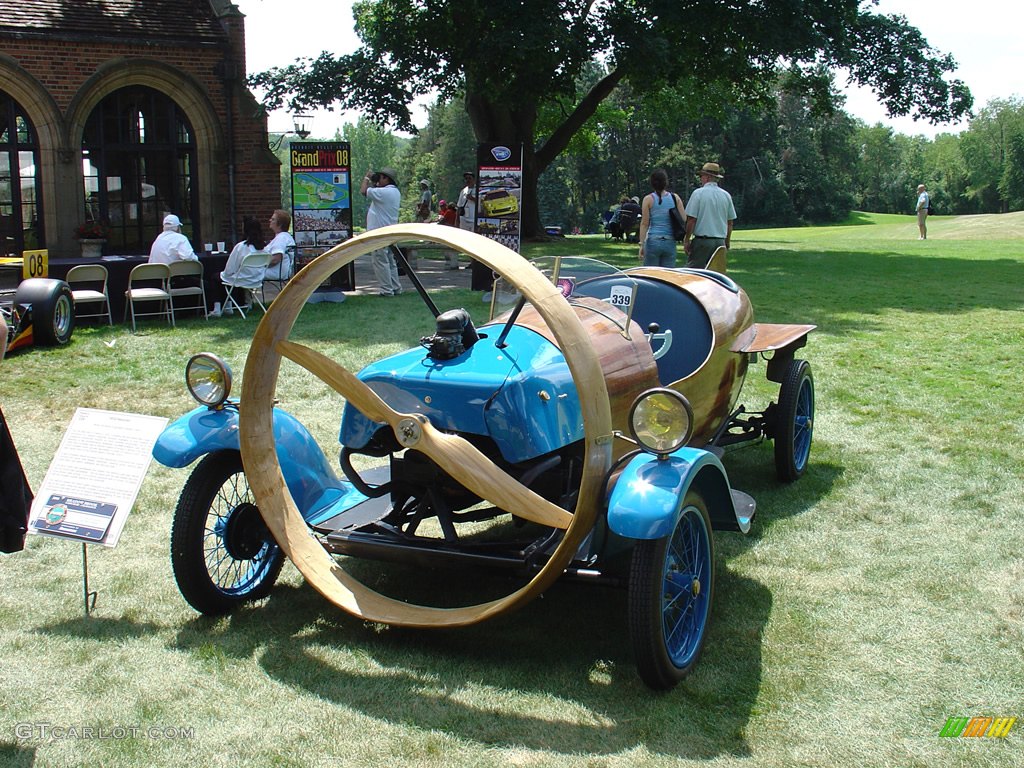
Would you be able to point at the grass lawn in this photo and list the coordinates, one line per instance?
(875, 598)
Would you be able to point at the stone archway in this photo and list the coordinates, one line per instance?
(189, 97)
(46, 120)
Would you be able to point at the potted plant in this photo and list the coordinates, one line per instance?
(92, 235)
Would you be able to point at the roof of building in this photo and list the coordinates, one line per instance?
(152, 21)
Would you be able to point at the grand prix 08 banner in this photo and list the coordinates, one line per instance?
(321, 194)
(499, 192)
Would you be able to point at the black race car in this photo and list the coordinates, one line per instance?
(37, 310)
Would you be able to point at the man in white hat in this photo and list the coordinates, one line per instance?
(170, 245)
(381, 189)
(709, 218)
(426, 198)
(466, 204)
(923, 204)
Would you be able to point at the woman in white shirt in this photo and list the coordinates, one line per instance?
(252, 241)
(234, 272)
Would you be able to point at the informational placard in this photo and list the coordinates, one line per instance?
(321, 193)
(499, 192)
(95, 477)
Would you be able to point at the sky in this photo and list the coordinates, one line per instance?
(983, 36)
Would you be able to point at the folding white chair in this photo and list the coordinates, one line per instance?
(254, 263)
(279, 275)
(149, 283)
(89, 276)
(188, 269)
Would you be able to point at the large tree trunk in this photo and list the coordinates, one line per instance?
(507, 124)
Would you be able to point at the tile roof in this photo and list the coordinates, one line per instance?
(165, 21)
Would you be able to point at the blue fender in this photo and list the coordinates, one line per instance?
(649, 493)
(311, 480)
(196, 433)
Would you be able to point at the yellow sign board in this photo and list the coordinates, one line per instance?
(35, 263)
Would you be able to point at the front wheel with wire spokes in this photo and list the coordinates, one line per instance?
(671, 590)
(222, 553)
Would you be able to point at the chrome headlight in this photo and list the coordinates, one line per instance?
(208, 379)
(661, 421)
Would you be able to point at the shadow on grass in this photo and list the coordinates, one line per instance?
(16, 756)
(571, 645)
(855, 219)
(751, 469)
(98, 628)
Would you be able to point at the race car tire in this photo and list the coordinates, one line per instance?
(222, 553)
(53, 310)
(794, 425)
(671, 591)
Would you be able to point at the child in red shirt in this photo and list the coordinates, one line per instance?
(449, 215)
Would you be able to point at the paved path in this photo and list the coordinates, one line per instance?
(433, 273)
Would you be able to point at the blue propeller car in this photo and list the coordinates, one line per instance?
(577, 434)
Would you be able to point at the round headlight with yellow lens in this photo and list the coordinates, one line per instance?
(661, 421)
(208, 379)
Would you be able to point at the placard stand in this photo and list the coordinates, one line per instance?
(93, 481)
(86, 594)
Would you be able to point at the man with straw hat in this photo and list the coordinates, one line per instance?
(381, 189)
(709, 218)
(425, 201)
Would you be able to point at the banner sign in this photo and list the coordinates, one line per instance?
(499, 192)
(321, 193)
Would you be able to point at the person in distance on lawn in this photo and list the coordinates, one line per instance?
(923, 204)
(710, 218)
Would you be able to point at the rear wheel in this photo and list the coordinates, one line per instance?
(53, 310)
(671, 589)
(222, 553)
(794, 426)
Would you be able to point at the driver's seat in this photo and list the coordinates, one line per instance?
(673, 309)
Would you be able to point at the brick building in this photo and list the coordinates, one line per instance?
(121, 111)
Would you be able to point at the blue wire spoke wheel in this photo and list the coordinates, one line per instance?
(795, 421)
(222, 553)
(671, 589)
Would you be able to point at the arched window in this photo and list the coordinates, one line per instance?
(138, 159)
(21, 215)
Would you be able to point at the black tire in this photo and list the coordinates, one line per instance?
(794, 421)
(222, 554)
(53, 310)
(671, 593)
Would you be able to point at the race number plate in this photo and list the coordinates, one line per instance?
(35, 264)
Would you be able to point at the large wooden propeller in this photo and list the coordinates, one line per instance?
(452, 453)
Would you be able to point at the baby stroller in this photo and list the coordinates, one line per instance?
(624, 222)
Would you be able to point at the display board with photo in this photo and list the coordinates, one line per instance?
(499, 192)
(322, 204)
(321, 193)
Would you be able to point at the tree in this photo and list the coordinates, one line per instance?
(372, 149)
(510, 59)
(986, 150)
(875, 188)
(1011, 185)
(946, 175)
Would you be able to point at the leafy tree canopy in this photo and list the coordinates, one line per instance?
(512, 58)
